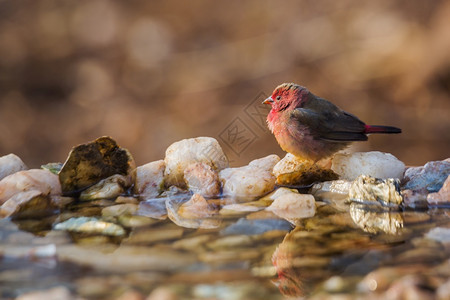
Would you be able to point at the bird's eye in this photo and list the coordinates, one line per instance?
(278, 98)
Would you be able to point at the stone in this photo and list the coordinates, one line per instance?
(119, 210)
(292, 170)
(89, 163)
(265, 163)
(10, 164)
(43, 181)
(294, 206)
(181, 154)
(56, 293)
(173, 205)
(201, 179)
(440, 234)
(108, 188)
(256, 226)
(248, 182)
(430, 177)
(29, 204)
(443, 291)
(153, 208)
(129, 221)
(330, 190)
(373, 191)
(415, 199)
(196, 207)
(441, 198)
(150, 179)
(90, 225)
(375, 164)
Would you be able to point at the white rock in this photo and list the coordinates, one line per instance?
(375, 164)
(201, 179)
(34, 179)
(10, 164)
(250, 181)
(185, 152)
(266, 163)
(292, 206)
(150, 179)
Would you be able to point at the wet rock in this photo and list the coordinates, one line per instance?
(127, 259)
(409, 287)
(335, 191)
(162, 293)
(262, 214)
(257, 226)
(441, 198)
(440, 234)
(53, 167)
(201, 179)
(195, 243)
(90, 225)
(277, 193)
(126, 200)
(415, 199)
(148, 236)
(173, 205)
(239, 208)
(31, 180)
(108, 188)
(153, 208)
(56, 293)
(373, 191)
(181, 154)
(29, 204)
(375, 164)
(294, 206)
(135, 221)
(150, 179)
(375, 221)
(248, 182)
(118, 210)
(89, 163)
(294, 171)
(10, 164)
(430, 177)
(233, 242)
(197, 207)
(443, 292)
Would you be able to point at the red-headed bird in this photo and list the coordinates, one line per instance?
(311, 127)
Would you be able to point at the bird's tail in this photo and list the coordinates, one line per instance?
(381, 129)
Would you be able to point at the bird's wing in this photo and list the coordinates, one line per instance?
(328, 122)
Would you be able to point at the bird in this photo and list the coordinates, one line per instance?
(312, 128)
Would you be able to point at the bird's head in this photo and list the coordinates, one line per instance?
(286, 95)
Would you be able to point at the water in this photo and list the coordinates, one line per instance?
(352, 253)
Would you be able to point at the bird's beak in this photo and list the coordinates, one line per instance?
(268, 100)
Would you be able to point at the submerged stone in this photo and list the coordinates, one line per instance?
(10, 164)
(292, 170)
(89, 163)
(375, 164)
(197, 207)
(293, 206)
(108, 188)
(374, 191)
(173, 205)
(256, 226)
(90, 225)
(153, 208)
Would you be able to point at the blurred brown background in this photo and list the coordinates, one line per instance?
(149, 74)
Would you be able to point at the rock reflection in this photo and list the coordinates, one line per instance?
(375, 220)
